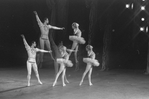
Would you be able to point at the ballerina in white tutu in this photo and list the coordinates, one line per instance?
(76, 38)
(31, 62)
(91, 61)
(64, 62)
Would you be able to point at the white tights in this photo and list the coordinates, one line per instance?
(88, 69)
(31, 65)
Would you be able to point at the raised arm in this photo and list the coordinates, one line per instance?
(38, 19)
(25, 42)
(56, 28)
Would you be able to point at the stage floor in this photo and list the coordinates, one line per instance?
(113, 84)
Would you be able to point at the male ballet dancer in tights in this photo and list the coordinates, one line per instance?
(44, 39)
(31, 62)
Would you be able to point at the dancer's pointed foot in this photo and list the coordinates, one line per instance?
(40, 82)
(64, 85)
(90, 84)
(54, 84)
(80, 83)
(28, 84)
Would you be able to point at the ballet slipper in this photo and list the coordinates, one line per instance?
(40, 82)
(90, 84)
(64, 85)
(80, 83)
(28, 84)
(54, 84)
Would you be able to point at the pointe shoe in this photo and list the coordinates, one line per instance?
(64, 85)
(54, 84)
(80, 83)
(28, 84)
(90, 84)
(40, 82)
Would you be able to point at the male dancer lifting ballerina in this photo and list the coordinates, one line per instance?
(31, 62)
(44, 39)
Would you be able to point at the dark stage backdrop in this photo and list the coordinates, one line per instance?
(16, 18)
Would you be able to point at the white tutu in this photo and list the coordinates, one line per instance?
(68, 63)
(77, 39)
(60, 60)
(94, 62)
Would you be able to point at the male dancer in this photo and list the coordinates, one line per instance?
(44, 39)
(31, 62)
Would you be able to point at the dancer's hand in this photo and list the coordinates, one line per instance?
(22, 36)
(63, 28)
(50, 51)
(35, 12)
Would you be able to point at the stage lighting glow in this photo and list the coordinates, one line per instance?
(127, 5)
(142, 19)
(142, 8)
(143, 0)
(146, 29)
(132, 6)
(141, 28)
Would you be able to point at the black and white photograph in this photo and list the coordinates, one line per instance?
(74, 49)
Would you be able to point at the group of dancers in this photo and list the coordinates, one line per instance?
(63, 61)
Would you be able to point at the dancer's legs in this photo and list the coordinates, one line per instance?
(36, 72)
(29, 71)
(84, 74)
(49, 47)
(66, 77)
(62, 67)
(75, 54)
(63, 75)
(42, 42)
(89, 76)
(73, 47)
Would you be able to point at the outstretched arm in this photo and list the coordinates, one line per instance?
(25, 42)
(70, 50)
(38, 19)
(56, 28)
(41, 50)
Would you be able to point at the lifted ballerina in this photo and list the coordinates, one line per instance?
(44, 39)
(77, 39)
(31, 62)
(90, 61)
(64, 61)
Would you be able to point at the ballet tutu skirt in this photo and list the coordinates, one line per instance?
(68, 63)
(77, 39)
(94, 62)
(60, 60)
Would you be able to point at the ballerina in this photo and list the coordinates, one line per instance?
(77, 39)
(64, 62)
(91, 61)
(31, 62)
